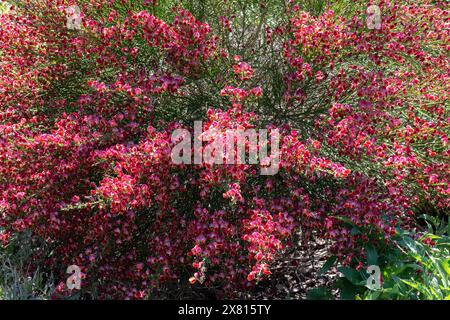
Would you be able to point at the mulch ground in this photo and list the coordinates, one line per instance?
(297, 274)
(293, 276)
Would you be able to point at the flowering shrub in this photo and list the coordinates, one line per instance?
(86, 122)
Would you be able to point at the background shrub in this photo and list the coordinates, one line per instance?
(86, 118)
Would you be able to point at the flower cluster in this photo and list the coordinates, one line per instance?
(86, 118)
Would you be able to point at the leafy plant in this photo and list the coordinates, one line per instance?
(415, 268)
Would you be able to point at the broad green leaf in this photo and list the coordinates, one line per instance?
(320, 293)
(348, 291)
(445, 264)
(442, 272)
(351, 274)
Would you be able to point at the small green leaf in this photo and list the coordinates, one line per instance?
(355, 231)
(410, 244)
(373, 295)
(372, 256)
(327, 265)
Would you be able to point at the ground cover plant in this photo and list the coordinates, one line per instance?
(355, 92)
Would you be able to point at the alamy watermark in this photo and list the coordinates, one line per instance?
(374, 280)
(73, 15)
(374, 17)
(228, 147)
(74, 281)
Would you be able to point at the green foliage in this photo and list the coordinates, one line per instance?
(17, 280)
(417, 268)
